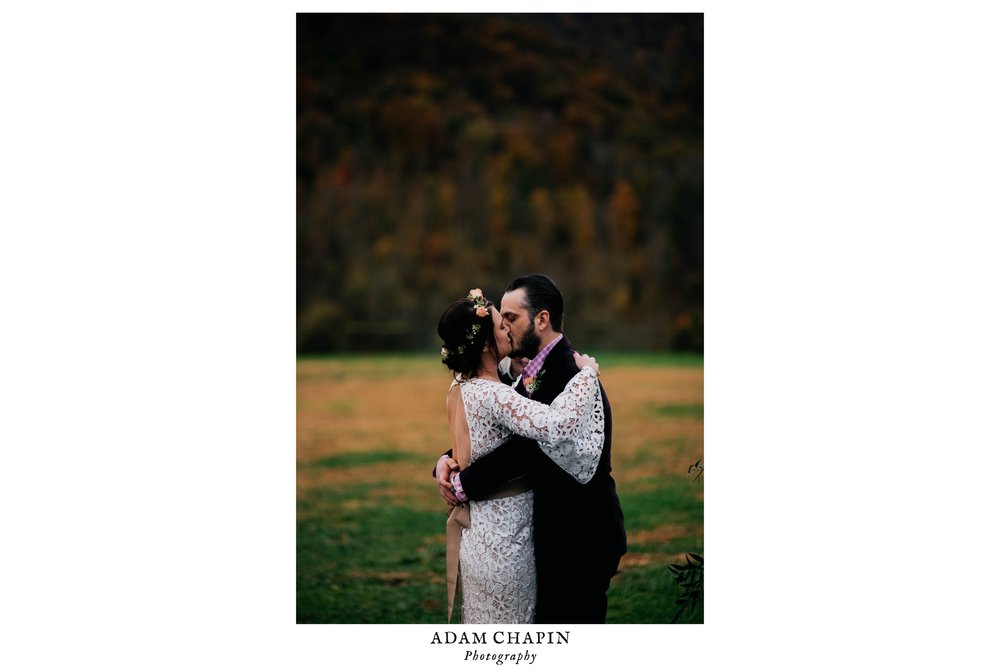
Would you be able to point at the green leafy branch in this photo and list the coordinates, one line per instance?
(699, 466)
(690, 577)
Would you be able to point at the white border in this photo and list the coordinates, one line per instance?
(147, 264)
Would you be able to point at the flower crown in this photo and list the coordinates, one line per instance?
(479, 301)
(482, 310)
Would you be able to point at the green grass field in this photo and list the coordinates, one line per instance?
(370, 524)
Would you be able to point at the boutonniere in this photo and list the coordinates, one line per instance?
(533, 382)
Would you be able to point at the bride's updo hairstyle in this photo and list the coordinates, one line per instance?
(466, 326)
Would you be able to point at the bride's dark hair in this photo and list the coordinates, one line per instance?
(464, 334)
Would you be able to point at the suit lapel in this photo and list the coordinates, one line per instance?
(556, 374)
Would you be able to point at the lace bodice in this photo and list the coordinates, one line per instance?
(497, 551)
(570, 431)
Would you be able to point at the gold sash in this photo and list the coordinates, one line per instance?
(460, 518)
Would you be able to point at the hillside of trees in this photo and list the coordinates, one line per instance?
(436, 153)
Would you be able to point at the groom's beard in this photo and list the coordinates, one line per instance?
(530, 342)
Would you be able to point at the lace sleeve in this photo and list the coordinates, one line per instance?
(570, 431)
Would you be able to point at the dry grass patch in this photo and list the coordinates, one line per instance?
(658, 535)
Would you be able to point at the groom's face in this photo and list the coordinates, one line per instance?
(519, 324)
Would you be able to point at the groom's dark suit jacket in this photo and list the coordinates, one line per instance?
(579, 529)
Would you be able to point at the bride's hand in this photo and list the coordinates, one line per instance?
(586, 360)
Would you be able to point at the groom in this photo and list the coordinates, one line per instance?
(579, 529)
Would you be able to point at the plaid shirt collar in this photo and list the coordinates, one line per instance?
(535, 365)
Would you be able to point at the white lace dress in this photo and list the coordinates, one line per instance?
(498, 553)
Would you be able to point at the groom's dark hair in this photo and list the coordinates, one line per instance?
(540, 293)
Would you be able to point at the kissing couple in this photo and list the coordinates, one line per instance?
(536, 529)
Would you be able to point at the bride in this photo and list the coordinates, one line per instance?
(496, 556)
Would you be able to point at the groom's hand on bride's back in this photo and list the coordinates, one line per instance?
(445, 466)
